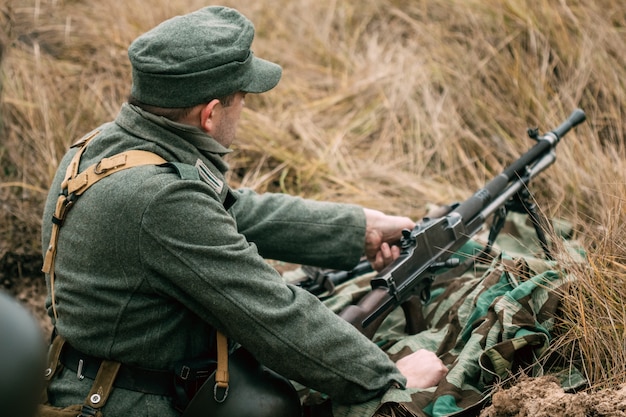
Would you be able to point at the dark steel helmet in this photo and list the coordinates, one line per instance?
(253, 391)
(22, 359)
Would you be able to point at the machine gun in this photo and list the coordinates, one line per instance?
(428, 248)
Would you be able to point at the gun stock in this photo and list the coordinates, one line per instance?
(376, 300)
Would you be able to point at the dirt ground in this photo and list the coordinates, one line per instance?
(531, 397)
(544, 397)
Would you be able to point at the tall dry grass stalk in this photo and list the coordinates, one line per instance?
(388, 103)
(592, 327)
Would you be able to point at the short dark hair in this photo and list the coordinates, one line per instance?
(174, 114)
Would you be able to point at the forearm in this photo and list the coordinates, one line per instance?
(301, 231)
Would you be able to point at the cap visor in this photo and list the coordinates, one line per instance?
(266, 76)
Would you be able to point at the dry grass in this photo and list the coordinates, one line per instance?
(593, 325)
(388, 103)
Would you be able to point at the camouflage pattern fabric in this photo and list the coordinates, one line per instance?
(486, 324)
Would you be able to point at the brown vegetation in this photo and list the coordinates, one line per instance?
(393, 104)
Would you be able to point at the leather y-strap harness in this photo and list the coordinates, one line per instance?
(75, 184)
(72, 187)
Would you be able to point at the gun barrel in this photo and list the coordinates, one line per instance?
(577, 117)
(516, 186)
(518, 169)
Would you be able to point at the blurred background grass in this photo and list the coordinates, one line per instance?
(393, 104)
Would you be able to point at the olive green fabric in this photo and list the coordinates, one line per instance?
(149, 264)
(193, 58)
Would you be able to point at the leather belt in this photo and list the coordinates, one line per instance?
(148, 381)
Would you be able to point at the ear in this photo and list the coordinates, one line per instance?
(208, 116)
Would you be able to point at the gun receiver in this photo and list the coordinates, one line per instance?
(428, 248)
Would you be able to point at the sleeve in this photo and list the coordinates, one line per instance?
(293, 229)
(195, 253)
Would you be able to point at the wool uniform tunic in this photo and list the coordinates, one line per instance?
(150, 264)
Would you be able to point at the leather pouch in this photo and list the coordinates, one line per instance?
(253, 391)
(190, 376)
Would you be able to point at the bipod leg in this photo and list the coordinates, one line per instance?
(525, 204)
(499, 218)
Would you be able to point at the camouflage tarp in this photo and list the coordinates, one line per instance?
(486, 324)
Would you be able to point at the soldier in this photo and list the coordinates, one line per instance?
(154, 260)
(22, 353)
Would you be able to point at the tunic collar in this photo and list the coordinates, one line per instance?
(191, 134)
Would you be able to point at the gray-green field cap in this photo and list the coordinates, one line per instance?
(191, 59)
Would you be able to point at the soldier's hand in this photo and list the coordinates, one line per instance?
(382, 235)
(422, 369)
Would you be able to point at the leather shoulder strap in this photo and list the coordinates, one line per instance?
(75, 184)
(107, 166)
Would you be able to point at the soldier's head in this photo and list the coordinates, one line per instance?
(187, 62)
(22, 359)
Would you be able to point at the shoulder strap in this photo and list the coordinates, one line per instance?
(54, 354)
(75, 184)
(107, 166)
(221, 373)
(185, 171)
(100, 389)
(102, 386)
